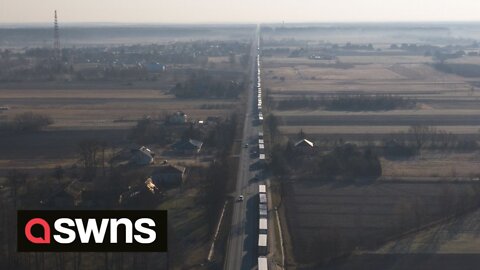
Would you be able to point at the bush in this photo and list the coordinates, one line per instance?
(467, 145)
(464, 70)
(30, 122)
(347, 162)
(203, 85)
(395, 149)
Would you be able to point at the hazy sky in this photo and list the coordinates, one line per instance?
(206, 11)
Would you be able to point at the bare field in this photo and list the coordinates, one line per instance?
(457, 237)
(335, 219)
(380, 130)
(73, 109)
(435, 165)
(381, 120)
(80, 114)
(358, 214)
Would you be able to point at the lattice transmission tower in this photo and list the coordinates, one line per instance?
(56, 39)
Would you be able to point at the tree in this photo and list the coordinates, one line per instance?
(231, 58)
(420, 134)
(88, 151)
(272, 124)
(301, 135)
(16, 179)
(58, 173)
(30, 122)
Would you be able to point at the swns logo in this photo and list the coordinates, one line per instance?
(92, 231)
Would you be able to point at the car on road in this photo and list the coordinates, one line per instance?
(246, 145)
(240, 198)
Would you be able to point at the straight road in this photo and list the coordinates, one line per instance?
(241, 251)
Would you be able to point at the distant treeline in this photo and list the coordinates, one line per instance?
(204, 85)
(464, 70)
(27, 122)
(347, 103)
(404, 145)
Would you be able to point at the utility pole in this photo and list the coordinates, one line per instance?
(56, 40)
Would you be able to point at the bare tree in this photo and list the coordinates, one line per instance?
(88, 151)
(58, 173)
(421, 134)
(15, 180)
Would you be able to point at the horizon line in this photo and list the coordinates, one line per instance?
(2, 24)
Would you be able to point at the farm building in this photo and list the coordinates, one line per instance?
(143, 156)
(187, 146)
(155, 67)
(168, 175)
(304, 144)
(178, 118)
(142, 194)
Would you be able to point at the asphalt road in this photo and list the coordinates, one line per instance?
(241, 250)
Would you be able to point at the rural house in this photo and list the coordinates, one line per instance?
(143, 156)
(168, 175)
(142, 195)
(304, 146)
(187, 146)
(304, 143)
(178, 118)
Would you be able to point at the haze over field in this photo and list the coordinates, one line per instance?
(278, 134)
(213, 11)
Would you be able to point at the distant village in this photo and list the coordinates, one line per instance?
(155, 168)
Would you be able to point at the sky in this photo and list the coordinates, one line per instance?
(237, 11)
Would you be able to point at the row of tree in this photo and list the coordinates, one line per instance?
(27, 122)
(204, 85)
(346, 162)
(347, 103)
(420, 137)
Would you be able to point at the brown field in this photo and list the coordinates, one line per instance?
(103, 109)
(85, 113)
(445, 101)
(430, 164)
(325, 217)
(364, 215)
(456, 237)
